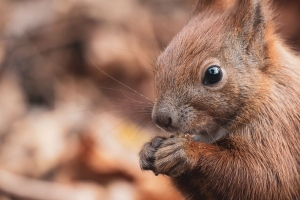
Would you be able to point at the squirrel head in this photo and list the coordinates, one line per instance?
(213, 69)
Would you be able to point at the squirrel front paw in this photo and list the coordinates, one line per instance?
(166, 156)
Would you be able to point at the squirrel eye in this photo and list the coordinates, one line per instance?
(212, 75)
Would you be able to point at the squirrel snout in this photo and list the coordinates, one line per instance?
(163, 118)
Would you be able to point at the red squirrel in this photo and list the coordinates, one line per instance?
(229, 88)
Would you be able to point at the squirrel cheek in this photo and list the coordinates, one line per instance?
(204, 120)
(201, 121)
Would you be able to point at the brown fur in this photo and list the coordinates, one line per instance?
(257, 104)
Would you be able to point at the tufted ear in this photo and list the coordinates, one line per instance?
(250, 22)
(243, 12)
(248, 15)
(247, 19)
(214, 4)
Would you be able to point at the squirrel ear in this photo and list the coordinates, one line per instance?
(247, 12)
(216, 4)
(249, 20)
(249, 15)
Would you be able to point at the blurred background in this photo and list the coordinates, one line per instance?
(76, 91)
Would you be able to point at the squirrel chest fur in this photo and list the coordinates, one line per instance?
(230, 88)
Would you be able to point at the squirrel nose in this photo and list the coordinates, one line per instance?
(163, 119)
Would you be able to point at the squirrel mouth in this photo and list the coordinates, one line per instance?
(207, 137)
(204, 137)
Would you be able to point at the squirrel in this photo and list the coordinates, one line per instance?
(229, 89)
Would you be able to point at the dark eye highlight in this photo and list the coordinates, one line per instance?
(213, 75)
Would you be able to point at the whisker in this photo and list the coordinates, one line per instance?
(126, 119)
(151, 43)
(144, 104)
(212, 138)
(152, 70)
(222, 128)
(141, 125)
(131, 98)
(138, 127)
(117, 108)
(122, 91)
(119, 81)
(124, 104)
